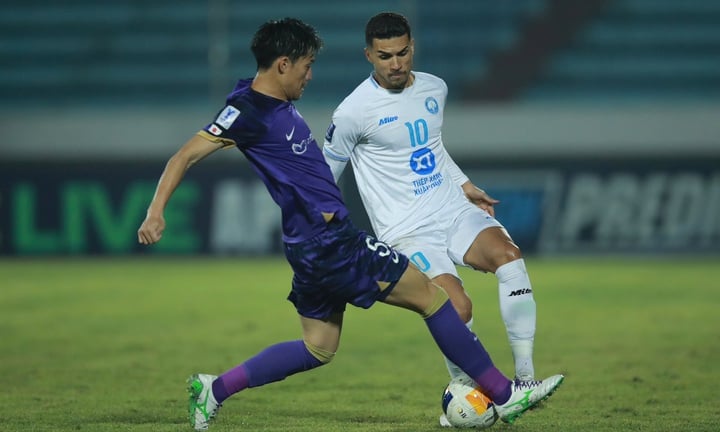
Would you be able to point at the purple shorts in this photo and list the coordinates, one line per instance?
(341, 265)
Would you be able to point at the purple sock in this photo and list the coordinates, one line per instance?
(495, 385)
(237, 376)
(464, 349)
(275, 363)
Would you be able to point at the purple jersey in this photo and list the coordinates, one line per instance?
(278, 143)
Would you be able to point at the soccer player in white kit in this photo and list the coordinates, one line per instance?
(416, 197)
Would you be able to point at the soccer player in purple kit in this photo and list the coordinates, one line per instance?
(333, 262)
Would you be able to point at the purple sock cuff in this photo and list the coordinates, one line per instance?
(230, 382)
(495, 385)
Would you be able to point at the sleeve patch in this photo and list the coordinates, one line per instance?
(215, 130)
(330, 132)
(227, 116)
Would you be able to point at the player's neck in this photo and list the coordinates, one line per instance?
(267, 85)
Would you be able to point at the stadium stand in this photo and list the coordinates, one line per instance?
(82, 51)
(639, 50)
(132, 51)
(456, 42)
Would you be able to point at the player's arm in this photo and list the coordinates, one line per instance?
(340, 140)
(458, 177)
(197, 148)
(337, 165)
(473, 193)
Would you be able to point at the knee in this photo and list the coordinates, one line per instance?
(509, 253)
(495, 257)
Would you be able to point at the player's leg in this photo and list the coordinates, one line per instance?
(414, 291)
(275, 363)
(381, 273)
(459, 298)
(321, 319)
(463, 306)
(427, 249)
(494, 251)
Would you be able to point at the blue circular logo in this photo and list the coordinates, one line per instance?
(432, 105)
(422, 161)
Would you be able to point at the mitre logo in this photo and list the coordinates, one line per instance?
(386, 120)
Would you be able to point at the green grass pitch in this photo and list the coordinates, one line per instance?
(105, 345)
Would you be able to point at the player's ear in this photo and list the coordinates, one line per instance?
(367, 54)
(283, 64)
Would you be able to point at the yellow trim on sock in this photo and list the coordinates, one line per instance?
(319, 353)
(440, 298)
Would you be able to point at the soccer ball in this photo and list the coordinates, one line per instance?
(465, 405)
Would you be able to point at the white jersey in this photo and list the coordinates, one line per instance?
(394, 141)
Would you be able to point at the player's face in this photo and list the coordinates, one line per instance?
(392, 60)
(297, 76)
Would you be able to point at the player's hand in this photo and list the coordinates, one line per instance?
(481, 199)
(151, 229)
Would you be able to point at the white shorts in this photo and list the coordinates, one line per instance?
(436, 248)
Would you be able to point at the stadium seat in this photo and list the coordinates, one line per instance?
(639, 50)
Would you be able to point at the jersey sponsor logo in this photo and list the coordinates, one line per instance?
(227, 116)
(302, 146)
(290, 135)
(424, 184)
(329, 133)
(422, 161)
(520, 292)
(299, 148)
(386, 120)
(215, 130)
(432, 105)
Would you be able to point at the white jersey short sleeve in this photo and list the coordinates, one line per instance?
(394, 141)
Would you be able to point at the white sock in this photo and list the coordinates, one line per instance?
(452, 368)
(518, 310)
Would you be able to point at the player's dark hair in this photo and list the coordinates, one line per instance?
(286, 37)
(386, 25)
